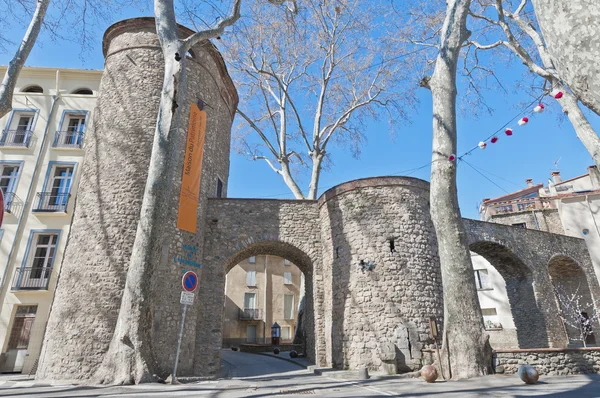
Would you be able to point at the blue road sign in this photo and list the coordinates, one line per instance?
(189, 281)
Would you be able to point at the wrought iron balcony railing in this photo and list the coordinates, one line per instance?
(12, 203)
(68, 139)
(32, 278)
(52, 202)
(16, 138)
(250, 314)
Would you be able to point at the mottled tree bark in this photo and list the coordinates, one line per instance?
(463, 324)
(16, 63)
(571, 30)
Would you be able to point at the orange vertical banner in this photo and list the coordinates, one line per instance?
(192, 170)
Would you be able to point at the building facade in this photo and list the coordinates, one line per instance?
(40, 158)
(260, 291)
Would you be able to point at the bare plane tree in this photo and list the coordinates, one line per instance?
(570, 31)
(515, 28)
(312, 79)
(468, 346)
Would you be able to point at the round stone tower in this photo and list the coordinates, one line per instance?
(380, 257)
(117, 154)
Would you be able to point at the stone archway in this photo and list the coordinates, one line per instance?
(218, 262)
(528, 317)
(573, 295)
(303, 263)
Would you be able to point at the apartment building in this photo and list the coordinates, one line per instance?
(260, 291)
(40, 157)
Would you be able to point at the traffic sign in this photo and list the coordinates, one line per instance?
(187, 298)
(189, 281)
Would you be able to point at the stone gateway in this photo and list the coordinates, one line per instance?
(367, 247)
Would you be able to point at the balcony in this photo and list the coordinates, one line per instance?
(12, 203)
(521, 205)
(68, 139)
(52, 202)
(16, 138)
(32, 278)
(250, 314)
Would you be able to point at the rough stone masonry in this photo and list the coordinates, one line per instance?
(355, 317)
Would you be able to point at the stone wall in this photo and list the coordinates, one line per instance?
(549, 362)
(522, 257)
(380, 315)
(240, 228)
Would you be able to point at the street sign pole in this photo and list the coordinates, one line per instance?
(174, 376)
(189, 282)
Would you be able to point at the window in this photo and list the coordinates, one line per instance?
(288, 306)
(8, 178)
(287, 278)
(83, 91)
(520, 225)
(287, 262)
(19, 130)
(481, 279)
(37, 268)
(490, 318)
(251, 278)
(252, 260)
(286, 333)
(33, 89)
(249, 301)
(57, 188)
(70, 134)
(219, 188)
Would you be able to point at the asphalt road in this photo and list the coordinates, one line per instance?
(256, 376)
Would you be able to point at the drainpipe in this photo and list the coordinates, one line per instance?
(265, 303)
(587, 201)
(36, 173)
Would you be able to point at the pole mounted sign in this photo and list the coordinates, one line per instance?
(189, 281)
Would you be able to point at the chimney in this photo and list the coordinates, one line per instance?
(594, 177)
(556, 177)
(486, 199)
(529, 182)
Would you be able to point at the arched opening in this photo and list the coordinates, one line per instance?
(268, 282)
(530, 330)
(34, 88)
(574, 300)
(260, 291)
(83, 91)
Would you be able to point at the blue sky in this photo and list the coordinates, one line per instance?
(530, 153)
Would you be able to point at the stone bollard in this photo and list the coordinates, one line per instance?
(363, 373)
(429, 373)
(528, 374)
(387, 354)
(276, 350)
(293, 354)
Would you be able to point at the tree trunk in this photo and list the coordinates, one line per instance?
(469, 350)
(286, 173)
(315, 175)
(585, 132)
(16, 63)
(130, 358)
(570, 30)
